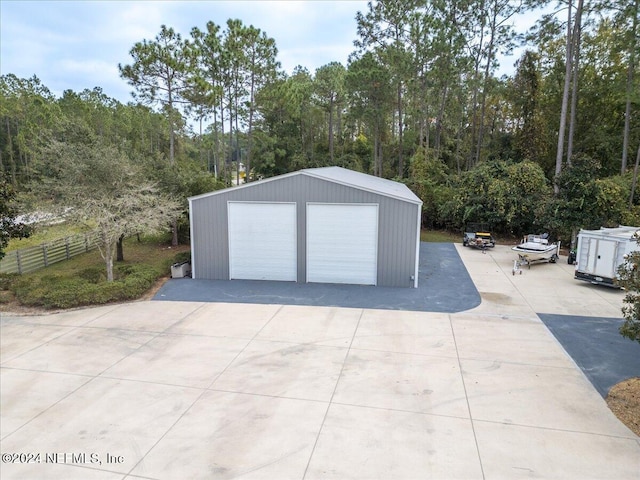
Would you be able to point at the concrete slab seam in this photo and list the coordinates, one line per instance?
(204, 390)
(521, 364)
(90, 379)
(335, 388)
(399, 410)
(564, 430)
(71, 330)
(154, 336)
(466, 397)
(425, 355)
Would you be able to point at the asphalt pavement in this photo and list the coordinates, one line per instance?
(595, 344)
(444, 285)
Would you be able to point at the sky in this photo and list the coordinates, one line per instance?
(79, 44)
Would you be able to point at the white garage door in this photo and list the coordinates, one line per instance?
(342, 243)
(262, 241)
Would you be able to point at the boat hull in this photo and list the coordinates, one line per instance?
(529, 255)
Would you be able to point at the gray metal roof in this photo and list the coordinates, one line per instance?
(364, 181)
(351, 178)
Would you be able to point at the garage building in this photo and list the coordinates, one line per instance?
(321, 225)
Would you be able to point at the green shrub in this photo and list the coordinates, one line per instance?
(58, 291)
(6, 280)
(123, 269)
(93, 274)
(5, 296)
(629, 279)
(182, 257)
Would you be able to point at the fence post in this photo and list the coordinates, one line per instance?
(66, 247)
(44, 255)
(18, 262)
(86, 242)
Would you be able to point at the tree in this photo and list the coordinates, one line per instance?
(369, 87)
(291, 122)
(632, 10)
(208, 85)
(575, 74)
(9, 226)
(260, 69)
(524, 92)
(329, 89)
(585, 200)
(385, 28)
(503, 194)
(442, 60)
(233, 64)
(500, 33)
(101, 189)
(573, 42)
(429, 180)
(629, 279)
(161, 73)
(29, 116)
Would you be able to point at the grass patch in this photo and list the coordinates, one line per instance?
(440, 236)
(82, 280)
(42, 234)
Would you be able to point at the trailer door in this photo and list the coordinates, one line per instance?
(592, 255)
(606, 259)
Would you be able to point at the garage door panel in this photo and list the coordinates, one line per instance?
(342, 243)
(262, 241)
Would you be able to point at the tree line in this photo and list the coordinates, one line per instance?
(549, 147)
(421, 78)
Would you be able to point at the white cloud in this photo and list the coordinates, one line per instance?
(133, 22)
(90, 68)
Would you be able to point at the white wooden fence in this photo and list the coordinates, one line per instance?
(34, 258)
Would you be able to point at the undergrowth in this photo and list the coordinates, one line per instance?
(82, 280)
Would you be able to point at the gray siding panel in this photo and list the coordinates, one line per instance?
(396, 234)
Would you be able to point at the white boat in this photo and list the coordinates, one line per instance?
(536, 248)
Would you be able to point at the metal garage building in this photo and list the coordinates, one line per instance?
(325, 225)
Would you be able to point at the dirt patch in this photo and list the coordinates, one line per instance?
(154, 289)
(11, 305)
(624, 402)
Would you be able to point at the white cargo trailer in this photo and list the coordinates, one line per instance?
(601, 252)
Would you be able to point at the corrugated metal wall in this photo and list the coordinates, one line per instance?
(397, 234)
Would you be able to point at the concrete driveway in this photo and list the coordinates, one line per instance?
(187, 390)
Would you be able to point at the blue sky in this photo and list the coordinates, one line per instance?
(79, 44)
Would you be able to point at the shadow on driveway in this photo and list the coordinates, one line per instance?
(444, 285)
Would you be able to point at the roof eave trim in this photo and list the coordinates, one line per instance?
(415, 201)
